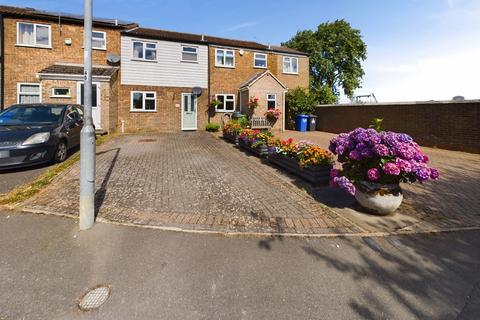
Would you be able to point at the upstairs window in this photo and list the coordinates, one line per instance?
(189, 54)
(227, 103)
(145, 51)
(34, 35)
(271, 101)
(143, 101)
(224, 58)
(260, 60)
(99, 40)
(290, 65)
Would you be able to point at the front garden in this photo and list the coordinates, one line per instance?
(373, 162)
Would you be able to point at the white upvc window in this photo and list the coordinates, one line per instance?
(227, 103)
(29, 93)
(260, 60)
(189, 54)
(34, 35)
(143, 101)
(271, 101)
(225, 58)
(61, 93)
(290, 65)
(144, 50)
(99, 40)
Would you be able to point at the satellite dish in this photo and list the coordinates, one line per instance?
(197, 91)
(113, 58)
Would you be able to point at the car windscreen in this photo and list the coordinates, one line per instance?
(32, 115)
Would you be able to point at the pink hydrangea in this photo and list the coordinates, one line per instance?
(373, 174)
(391, 169)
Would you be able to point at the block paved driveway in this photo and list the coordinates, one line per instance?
(197, 181)
(191, 180)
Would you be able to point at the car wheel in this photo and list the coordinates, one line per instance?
(61, 152)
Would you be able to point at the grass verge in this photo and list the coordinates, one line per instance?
(25, 191)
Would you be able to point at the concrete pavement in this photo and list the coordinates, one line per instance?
(46, 264)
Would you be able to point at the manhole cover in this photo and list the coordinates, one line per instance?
(94, 298)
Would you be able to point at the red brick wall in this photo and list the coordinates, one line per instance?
(168, 115)
(21, 64)
(454, 126)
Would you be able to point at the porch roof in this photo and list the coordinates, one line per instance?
(258, 76)
(73, 71)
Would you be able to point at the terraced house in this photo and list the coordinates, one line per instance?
(144, 79)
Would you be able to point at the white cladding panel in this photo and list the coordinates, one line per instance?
(168, 70)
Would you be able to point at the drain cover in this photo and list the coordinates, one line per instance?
(94, 298)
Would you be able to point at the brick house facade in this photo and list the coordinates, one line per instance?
(170, 90)
(33, 41)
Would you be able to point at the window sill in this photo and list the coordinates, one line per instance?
(61, 97)
(223, 111)
(254, 67)
(292, 73)
(187, 61)
(143, 111)
(32, 46)
(227, 67)
(144, 60)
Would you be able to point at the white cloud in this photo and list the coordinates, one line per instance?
(243, 25)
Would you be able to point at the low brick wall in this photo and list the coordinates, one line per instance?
(446, 125)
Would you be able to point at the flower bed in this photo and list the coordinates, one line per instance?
(231, 131)
(256, 141)
(303, 159)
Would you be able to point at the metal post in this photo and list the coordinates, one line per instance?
(87, 135)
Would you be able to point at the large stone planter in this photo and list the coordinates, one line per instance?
(233, 138)
(312, 174)
(379, 199)
(261, 151)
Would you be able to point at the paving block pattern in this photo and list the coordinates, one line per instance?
(191, 180)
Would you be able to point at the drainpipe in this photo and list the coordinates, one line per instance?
(2, 55)
(208, 84)
(284, 115)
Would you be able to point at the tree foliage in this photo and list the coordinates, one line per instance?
(336, 52)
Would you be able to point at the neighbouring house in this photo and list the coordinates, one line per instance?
(233, 63)
(42, 60)
(144, 79)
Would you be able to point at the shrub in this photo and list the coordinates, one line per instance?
(299, 101)
(212, 127)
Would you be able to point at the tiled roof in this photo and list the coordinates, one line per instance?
(250, 81)
(204, 39)
(78, 70)
(34, 13)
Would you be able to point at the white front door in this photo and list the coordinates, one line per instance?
(96, 101)
(189, 111)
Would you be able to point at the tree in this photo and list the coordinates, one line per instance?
(336, 52)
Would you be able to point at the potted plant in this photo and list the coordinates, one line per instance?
(231, 130)
(255, 141)
(304, 159)
(375, 163)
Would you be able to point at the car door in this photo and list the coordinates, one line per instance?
(73, 126)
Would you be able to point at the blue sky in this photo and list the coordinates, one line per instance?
(417, 49)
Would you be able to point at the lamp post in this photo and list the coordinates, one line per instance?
(87, 135)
